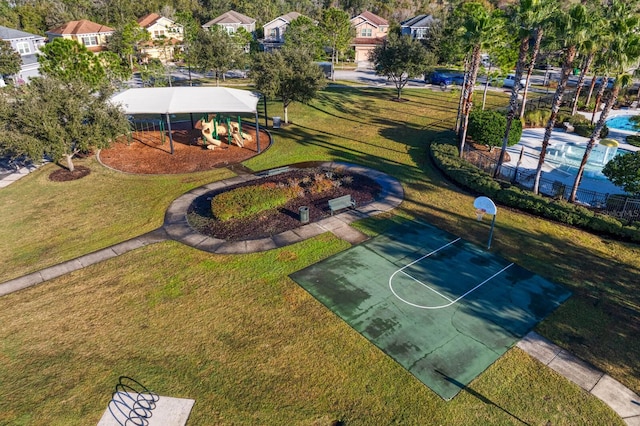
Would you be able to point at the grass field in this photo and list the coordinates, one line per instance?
(238, 336)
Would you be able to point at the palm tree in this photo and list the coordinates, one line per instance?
(480, 25)
(596, 43)
(572, 26)
(527, 19)
(624, 53)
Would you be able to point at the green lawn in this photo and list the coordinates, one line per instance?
(238, 336)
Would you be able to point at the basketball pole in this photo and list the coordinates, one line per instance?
(493, 222)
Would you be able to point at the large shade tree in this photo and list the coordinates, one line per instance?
(215, 50)
(288, 74)
(56, 119)
(303, 32)
(125, 40)
(69, 61)
(624, 171)
(400, 58)
(9, 59)
(337, 32)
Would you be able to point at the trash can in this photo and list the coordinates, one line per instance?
(276, 122)
(304, 214)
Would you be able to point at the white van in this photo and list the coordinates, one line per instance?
(510, 81)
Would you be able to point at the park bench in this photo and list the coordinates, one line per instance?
(339, 203)
(276, 171)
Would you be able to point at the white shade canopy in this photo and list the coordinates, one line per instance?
(175, 100)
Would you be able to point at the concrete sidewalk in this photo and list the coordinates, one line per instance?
(621, 399)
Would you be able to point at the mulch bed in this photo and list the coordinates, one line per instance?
(64, 175)
(265, 224)
(146, 153)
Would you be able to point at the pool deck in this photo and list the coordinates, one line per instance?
(531, 142)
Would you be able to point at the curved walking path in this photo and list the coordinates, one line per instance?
(621, 399)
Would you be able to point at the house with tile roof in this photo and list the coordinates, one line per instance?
(371, 30)
(166, 37)
(94, 36)
(233, 20)
(28, 46)
(418, 26)
(274, 30)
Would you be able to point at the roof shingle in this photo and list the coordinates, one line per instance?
(83, 26)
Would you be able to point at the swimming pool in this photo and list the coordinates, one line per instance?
(623, 122)
(568, 156)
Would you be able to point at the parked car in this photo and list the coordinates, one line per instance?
(610, 82)
(444, 79)
(438, 78)
(510, 81)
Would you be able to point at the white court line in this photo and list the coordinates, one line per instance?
(451, 302)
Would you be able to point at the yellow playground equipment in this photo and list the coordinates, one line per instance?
(212, 129)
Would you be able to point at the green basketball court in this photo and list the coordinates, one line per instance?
(442, 307)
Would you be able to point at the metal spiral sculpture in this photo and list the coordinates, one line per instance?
(132, 403)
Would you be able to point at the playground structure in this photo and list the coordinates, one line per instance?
(169, 102)
(214, 127)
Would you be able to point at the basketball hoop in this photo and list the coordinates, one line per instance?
(484, 206)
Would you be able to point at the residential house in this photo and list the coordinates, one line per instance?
(417, 27)
(274, 31)
(231, 21)
(94, 36)
(28, 45)
(371, 30)
(166, 37)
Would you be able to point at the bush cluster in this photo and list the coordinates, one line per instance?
(446, 158)
(536, 117)
(633, 140)
(487, 127)
(582, 125)
(249, 200)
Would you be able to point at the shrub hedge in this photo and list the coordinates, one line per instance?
(249, 200)
(582, 125)
(465, 174)
(633, 140)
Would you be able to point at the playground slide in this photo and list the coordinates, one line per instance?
(237, 139)
(207, 133)
(236, 129)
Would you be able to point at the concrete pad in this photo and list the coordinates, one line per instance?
(127, 246)
(209, 244)
(233, 247)
(331, 223)
(198, 192)
(263, 244)
(177, 231)
(350, 234)
(539, 347)
(97, 256)
(194, 239)
(20, 283)
(60, 269)
(286, 238)
(167, 412)
(172, 216)
(576, 370)
(623, 401)
(351, 215)
(155, 236)
(309, 231)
